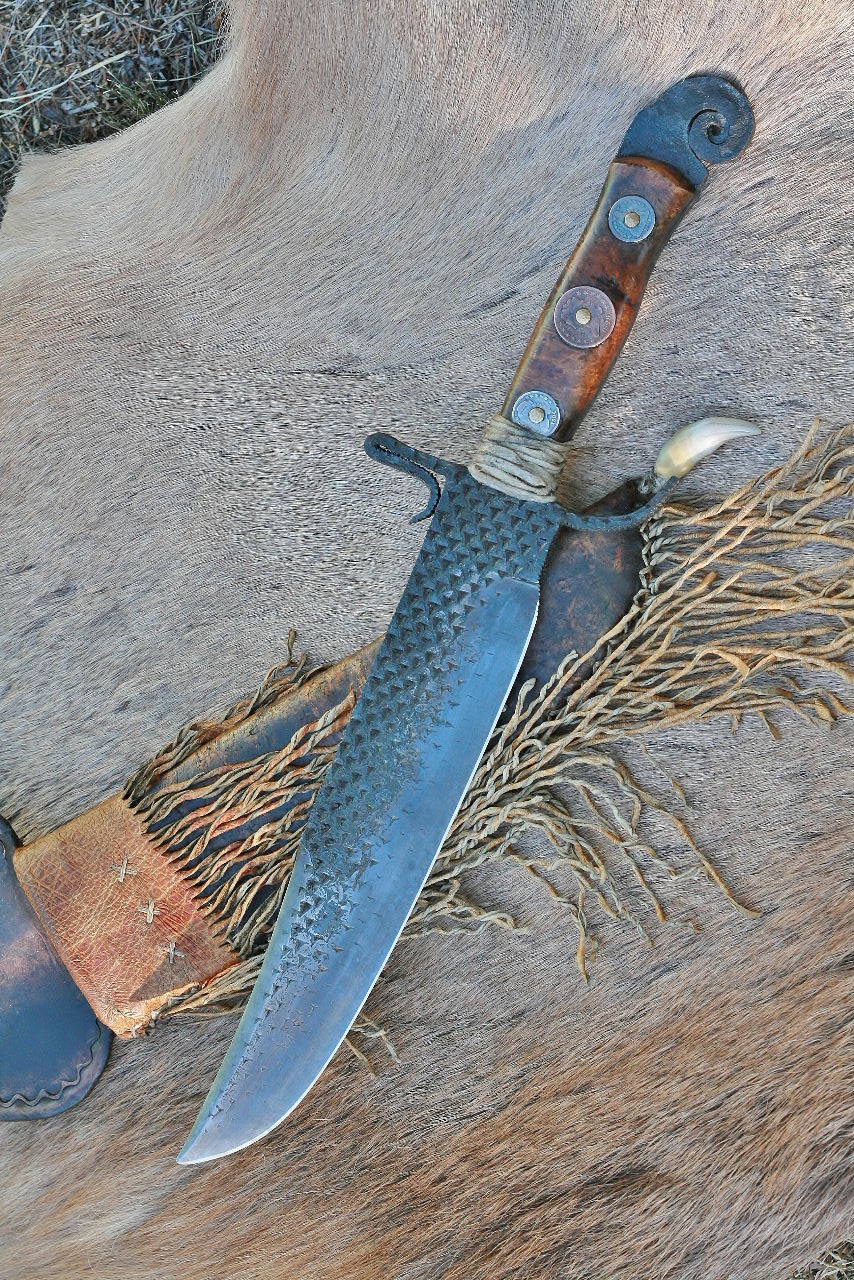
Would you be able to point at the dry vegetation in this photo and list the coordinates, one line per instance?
(836, 1264)
(76, 70)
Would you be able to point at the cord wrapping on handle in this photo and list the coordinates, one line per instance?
(516, 462)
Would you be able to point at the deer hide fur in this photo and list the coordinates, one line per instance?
(352, 223)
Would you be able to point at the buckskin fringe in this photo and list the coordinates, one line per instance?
(741, 603)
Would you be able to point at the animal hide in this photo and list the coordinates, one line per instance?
(352, 222)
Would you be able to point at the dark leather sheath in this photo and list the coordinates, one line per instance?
(52, 1047)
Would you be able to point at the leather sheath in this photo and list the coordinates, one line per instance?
(52, 1047)
(127, 923)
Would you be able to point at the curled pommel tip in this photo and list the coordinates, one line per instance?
(696, 441)
(701, 121)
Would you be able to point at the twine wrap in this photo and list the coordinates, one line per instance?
(517, 462)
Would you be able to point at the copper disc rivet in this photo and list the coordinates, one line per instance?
(584, 316)
(631, 219)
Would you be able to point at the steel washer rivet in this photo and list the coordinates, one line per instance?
(641, 209)
(537, 400)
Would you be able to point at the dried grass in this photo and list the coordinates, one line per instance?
(75, 72)
(836, 1264)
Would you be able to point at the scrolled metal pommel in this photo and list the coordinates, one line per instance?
(700, 121)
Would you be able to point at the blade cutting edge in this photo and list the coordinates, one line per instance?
(318, 973)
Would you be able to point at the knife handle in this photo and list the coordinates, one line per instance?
(591, 309)
(657, 174)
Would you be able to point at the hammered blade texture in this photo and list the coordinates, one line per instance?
(477, 536)
(434, 692)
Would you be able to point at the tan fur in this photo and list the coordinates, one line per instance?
(352, 222)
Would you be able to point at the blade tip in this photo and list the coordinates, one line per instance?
(190, 1155)
(208, 1140)
(198, 1148)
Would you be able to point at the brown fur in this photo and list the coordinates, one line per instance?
(352, 222)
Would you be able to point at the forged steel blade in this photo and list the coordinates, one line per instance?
(405, 761)
(459, 635)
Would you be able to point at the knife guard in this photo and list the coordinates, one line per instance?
(137, 940)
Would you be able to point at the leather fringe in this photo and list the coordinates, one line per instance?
(746, 606)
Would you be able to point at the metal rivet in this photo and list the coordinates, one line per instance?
(584, 316)
(631, 218)
(538, 412)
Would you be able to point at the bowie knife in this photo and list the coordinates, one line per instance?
(458, 637)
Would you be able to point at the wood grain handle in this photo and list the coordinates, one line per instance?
(659, 171)
(593, 305)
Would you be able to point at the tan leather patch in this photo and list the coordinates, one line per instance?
(125, 923)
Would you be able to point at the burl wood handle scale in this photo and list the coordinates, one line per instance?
(656, 175)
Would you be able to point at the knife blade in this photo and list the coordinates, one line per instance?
(455, 643)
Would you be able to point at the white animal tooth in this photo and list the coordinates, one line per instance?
(697, 440)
